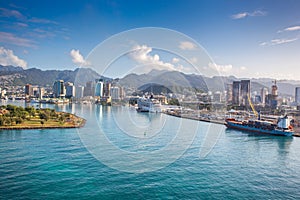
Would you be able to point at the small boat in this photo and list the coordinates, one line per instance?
(34, 101)
(282, 127)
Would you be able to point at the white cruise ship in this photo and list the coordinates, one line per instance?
(148, 105)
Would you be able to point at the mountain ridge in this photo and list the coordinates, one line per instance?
(10, 75)
(174, 80)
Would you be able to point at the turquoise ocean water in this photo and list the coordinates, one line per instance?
(77, 164)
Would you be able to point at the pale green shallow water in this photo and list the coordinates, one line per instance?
(54, 164)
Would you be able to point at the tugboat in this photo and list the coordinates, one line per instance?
(282, 127)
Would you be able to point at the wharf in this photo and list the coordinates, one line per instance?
(297, 132)
(187, 116)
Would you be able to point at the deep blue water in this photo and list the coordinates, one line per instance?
(146, 157)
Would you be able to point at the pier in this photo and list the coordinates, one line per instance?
(215, 121)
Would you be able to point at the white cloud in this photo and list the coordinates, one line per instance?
(242, 15)
(20, 24)
(18, 15)
(282, 41)
(40, 33)
(9, 38)
(278, 41)
(42, 21)
(141, 54)
(7, 57)
(220, 68)
(186, 45)
(11, 13)
(243, 68)
(263, 44)
(239, 15)
(193, 60)
(175, 60)
(292, 28)
(77, 58)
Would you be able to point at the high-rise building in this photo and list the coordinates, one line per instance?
(274, 96)
(122, 92)
(115, 93)
(236, 90)
(59, 90)
(79, 92)
(35, 91)
(70, 90)
(245, 92)
(229, 93)
(106, 89)
(297, 95)
(3, 93)
(28, 90)
(89, 89)
(263, 94)
(41, 92)
(217, 96)
(99, 89)
(274, 89)
(241, 92)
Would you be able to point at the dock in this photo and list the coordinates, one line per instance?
(222, 122)
(187, 116)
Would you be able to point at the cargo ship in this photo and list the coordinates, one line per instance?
(282, 127)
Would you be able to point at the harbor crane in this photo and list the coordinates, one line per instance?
(252, 106)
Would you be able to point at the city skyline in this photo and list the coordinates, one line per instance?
(244, 39)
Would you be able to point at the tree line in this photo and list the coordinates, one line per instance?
(13, 115)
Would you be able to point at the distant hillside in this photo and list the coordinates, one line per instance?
(284, 86)
(10, 75)
(154, 88)
(159, 80)
(173, 80)
(178, 82)
(9, 69)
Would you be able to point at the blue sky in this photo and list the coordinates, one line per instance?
(244, 38)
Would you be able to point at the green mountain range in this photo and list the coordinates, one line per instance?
(10, 75)
(158, 80)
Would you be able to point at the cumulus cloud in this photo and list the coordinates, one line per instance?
(242, 15)
(7, 57)
(278, 41)
(77, 58)
(186, 45)
(141, 54)
(220, 68)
